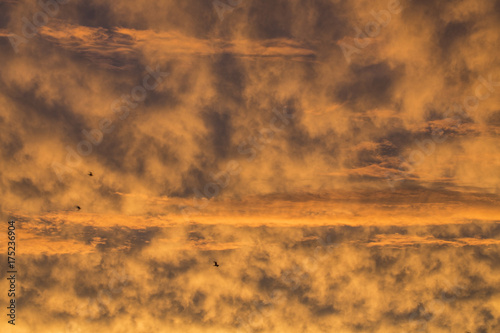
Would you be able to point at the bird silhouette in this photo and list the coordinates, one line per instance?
(78, 207)
(215, 264)
(90, 174)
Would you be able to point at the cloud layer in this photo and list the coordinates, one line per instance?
(249, 132)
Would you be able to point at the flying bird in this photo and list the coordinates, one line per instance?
(78, 207)
(90, 174)
(215, 264)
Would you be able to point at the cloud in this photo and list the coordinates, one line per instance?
(325, 276)
(353, 195)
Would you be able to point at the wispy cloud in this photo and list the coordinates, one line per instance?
(375, 210)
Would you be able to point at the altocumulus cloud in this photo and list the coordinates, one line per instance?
(375, 208)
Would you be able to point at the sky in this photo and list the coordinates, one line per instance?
(340, 160)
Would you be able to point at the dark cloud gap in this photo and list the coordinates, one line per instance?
(494, 118)
(176, 88)
(12, 145)
(270, 19)
(113, 150)
(195, 178)
(171, 271)
(49, 113)
(370, 85)
(25, 189)
(331, 24)
(200, 13)
(95, 14)
(126, 150)
(453, 33)
(6, 47)
(221, 130)
(230, 78)
(491, 256)
(5, 17)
